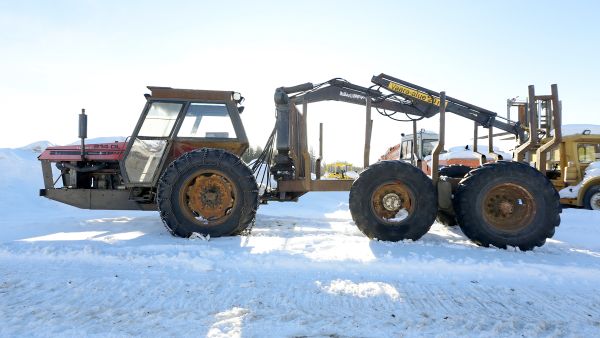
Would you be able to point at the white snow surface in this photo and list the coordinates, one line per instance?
(465, 152)
(97, 140)
(305, 271)
(593, 170)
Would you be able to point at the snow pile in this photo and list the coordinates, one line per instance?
(37, 147)
(98, 140)
(574, 129)
(305, 271)
(465, 152)
(21, 180)
(593, 170)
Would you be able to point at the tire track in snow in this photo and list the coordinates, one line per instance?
(288, 302)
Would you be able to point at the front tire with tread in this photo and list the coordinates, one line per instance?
(176, 213)
(416, 183)
(477, 221)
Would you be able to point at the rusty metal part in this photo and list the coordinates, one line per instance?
(532, 141)
(388, 199)
(368, 133)
(435, 155)
(210, 196)
(508, 207)
(189, 94)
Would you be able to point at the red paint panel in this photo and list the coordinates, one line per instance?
(94, 152)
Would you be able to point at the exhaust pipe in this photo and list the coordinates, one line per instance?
(82, 131)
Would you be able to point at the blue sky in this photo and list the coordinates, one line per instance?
(59, 56)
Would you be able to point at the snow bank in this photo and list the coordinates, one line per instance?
(574, 129)
(37, 147)
(97, 140)
(465, 152)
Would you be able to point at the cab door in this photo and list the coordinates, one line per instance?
(149, 143)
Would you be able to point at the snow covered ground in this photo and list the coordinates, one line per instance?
(305, 271)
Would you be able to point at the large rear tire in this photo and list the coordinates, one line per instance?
(507, 203)
(207, 191)
(393, 201)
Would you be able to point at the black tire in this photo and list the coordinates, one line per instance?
(507, 203)
(418, 193)
(455, 171)
(590, 199)
(214, 181)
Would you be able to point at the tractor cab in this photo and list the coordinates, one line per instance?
(124, 175)
(176, 121)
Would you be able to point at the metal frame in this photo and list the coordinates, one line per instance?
(290, 163)
(135, 136)
(187, 99)
(435, 156)
(529, 118)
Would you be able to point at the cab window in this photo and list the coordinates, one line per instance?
(428, 146)
(207, 120)
(406, 151)
(160, 119)
(588, 152)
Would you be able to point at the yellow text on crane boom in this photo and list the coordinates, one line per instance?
(400, 89)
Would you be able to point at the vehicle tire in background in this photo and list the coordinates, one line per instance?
(507, 203)
(207, 191)
(591, 199)
(393, 201)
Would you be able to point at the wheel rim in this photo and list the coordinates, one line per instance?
(392, 202)
(508, 207)
(595, 201)
(208, 198)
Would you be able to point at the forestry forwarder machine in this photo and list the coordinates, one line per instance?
(183, 159)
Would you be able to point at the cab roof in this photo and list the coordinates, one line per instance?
(189, 94)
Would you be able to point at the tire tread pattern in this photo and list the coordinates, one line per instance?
(417, 225)
(207, 157)
(547, 202)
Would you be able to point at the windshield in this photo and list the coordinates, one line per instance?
(210, 120)
(428, 145)
(160, 119)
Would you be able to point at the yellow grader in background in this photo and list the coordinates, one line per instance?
(182, 159)
(575, 148)
(574, 167)
(338, 171)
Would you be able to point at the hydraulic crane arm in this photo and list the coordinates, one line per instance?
(405, 97)
(399, 96)
(344, 91)
(428, 102)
